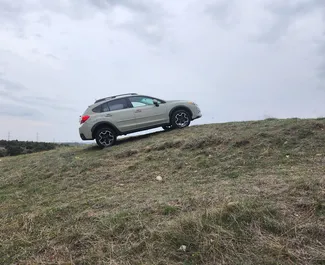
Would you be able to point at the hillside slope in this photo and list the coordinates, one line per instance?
(235, 193)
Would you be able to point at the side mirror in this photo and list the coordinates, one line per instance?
(156, 102)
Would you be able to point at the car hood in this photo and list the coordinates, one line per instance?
(179, 101)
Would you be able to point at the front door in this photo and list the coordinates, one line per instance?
(147, 113)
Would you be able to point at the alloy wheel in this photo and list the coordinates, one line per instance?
(106, 138)
(182, 119)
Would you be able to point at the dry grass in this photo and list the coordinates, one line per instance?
(236, 193)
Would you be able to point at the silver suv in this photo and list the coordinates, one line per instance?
(123, 114)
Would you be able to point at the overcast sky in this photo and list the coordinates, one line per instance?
(239, 60)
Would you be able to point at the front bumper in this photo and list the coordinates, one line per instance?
(199, 115)
(196, 112)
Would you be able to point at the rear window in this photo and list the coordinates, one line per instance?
(97, 109)
(116, 104)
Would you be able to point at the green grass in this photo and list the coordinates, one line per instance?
(234, 193)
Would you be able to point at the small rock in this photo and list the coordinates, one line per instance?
(91, 214)
(232, 204)
(182, 248)
(159, 178)
(256, 188)
(287, 156)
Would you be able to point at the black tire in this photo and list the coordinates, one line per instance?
(167, 127)
(180, 119)
(105, 137)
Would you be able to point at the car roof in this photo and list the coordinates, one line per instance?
(109, 98)
(115, 96)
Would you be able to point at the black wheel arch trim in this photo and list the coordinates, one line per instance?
(180, 107)
(108, 124)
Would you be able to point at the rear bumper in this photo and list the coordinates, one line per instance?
(83, 137)
(85, 132)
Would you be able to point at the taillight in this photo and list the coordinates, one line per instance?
(84, 119)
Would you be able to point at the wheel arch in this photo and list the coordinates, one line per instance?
(181, 107)
(100, 125)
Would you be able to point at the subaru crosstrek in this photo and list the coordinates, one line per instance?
(113, 116)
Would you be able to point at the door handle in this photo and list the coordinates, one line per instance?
(108, 115)
(138, 110)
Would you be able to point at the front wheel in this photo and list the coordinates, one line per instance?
(180, 119)
(105, 137)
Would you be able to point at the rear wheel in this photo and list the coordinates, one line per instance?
(180, 119)
(105, 137)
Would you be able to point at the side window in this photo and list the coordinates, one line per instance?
(141, 101)
(105, 107)
(116, 104)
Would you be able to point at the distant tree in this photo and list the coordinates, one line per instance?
(14, 150)
(3, 152)
(15, 147)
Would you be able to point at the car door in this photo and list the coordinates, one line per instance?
(147, 113)
(119, 113)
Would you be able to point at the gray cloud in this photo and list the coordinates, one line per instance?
(139, 30)
(12, 16)
(10, 89)
(46, 55)
(52, 56)
(10, 85)
(138, 6)
(9, 9)
(223, 13)
(321, 67)
(45, 20)
(35, 101)
(14, 110)
(11, 12)
(284, 14)
(147, 13)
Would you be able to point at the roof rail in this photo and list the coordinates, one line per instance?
(131, 94)
(115, 96)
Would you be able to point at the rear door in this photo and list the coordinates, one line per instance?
(147, 113)
(119, 113)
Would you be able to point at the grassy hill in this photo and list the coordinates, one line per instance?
(235, 193)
